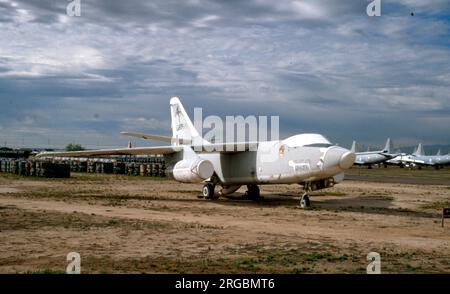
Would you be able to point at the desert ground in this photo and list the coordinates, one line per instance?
(123, 224)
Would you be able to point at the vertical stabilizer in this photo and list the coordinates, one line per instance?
(353, 149)
(182, 128)
(388, 147)
(419, 150)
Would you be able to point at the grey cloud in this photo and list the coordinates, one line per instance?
(322, 66)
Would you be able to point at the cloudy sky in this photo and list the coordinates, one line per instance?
(322, 66)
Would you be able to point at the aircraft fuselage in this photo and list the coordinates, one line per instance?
(371, 158)
(276, 163)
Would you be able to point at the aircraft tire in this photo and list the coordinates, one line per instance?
(208, 191)
(253, 192)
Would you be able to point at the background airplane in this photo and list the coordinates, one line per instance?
(397, 160)
(369, 158)
(306, 159)
(441, 160)
(419, 158)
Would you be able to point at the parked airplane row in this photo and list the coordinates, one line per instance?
(309, 160)
(386, 156)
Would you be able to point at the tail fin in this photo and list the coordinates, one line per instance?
(388, 147)
(182, 128)
(353, 149)
(438, 153)
(419, 150)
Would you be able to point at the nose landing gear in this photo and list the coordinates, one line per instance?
(308, 187)
(304, 201)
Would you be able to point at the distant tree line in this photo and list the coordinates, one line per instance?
(74, 147)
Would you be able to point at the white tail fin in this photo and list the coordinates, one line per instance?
(182, 128)
(419, 150)
(353, 149)
(388, 147)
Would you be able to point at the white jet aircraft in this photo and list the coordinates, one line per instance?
(419, 158)
(373, 157)
(306, 159)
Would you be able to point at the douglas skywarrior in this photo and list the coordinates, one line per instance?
(306, 159)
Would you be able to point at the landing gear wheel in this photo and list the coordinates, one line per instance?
(208, 191)
(253, 192)
(304, 202)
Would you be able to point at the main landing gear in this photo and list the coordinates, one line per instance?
(209, 187)
(253, 193)
(208, 191)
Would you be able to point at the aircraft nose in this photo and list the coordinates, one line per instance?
(339, 157)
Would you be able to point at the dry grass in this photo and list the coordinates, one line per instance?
(149, 225)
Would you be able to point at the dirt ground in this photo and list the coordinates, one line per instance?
(123, 224)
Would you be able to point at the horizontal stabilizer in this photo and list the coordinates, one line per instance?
(174, 141)
(148, 136)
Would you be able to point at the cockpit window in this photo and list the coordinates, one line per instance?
(318, 145)
(306, 140)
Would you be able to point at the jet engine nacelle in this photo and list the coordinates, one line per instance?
(192, 170)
